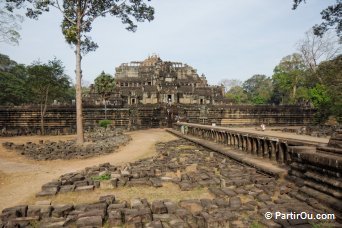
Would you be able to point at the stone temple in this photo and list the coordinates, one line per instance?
(154, 81)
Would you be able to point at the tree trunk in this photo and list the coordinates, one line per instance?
(43, 111)
(42, 132)
(79, 114)
(105, 106)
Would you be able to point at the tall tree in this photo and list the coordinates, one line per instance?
(104, 85)
(47, 82)
(12, 82)
(78, 18)
(316, 49)
(237, 95)
(258, 89)
(327, 96)
(331, 18)
(288, 76)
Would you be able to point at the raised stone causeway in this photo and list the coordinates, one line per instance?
(240, 195)
(99, 142)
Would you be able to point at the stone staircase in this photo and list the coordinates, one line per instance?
(318, 172)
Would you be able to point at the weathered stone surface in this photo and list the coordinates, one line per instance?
(85, 188)
(193, 206)
(115, 218)
(158, 207)
(51, 192)
(62, 210)
(22, 221)
(42, 211)
(109, 199)
(67, 188)
(92, 221)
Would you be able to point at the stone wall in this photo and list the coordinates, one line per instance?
(61, 120)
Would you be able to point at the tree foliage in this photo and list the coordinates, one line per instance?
(104, 85)
(258, 89)
(331, 18)
(13, 79)
(47, 82)
(287, 78)
(237, 95)
(78, 18)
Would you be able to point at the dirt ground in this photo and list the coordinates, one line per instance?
(21, 178)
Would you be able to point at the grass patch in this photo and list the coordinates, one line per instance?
(102, 177)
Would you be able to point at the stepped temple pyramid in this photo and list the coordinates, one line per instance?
(154, 81)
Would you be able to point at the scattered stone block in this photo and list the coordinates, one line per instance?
(194, 206)
(61, 210)
(235, 202)
(67, 188)
(85, 188)
(109, 199)
(115, 218)
(158, 207)
(92, 221)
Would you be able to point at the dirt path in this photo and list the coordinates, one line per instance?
(21, 179)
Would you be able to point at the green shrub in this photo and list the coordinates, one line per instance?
(104, 123)
(102, 177)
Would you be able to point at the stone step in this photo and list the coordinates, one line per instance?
(328, 149)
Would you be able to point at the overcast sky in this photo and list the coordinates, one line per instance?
(224, 39)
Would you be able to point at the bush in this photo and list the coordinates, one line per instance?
(104, 123)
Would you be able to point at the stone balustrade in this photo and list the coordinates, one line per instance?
(269, 147)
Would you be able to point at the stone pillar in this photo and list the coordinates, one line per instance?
(280, 158)
(255, 146)
(249, 145)
(273, 150)
(267, 148)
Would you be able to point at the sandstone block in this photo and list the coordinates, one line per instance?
(92, 221)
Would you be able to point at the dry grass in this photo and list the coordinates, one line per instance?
(168, 191)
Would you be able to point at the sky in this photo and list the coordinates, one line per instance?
(223, 39)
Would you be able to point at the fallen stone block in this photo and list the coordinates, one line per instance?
(116, 206)
(131, 216)
(194, 206)
(61, 210)
(85, 188)
(115, 218)
(171, 207)
(13, 212)
(92, 221)
(67, 188)
(81, 183)
(235, 202)
(51, 192)
(22, 222)
(41, 211)
(156, 182)
(158, 207)
(109, 199)
(164, 217)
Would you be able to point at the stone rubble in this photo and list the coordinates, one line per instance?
(99, 142)
(240, 195)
